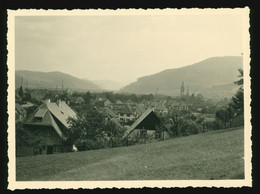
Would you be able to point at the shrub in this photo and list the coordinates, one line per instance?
(238, 121)
(217, 124)
(208, 125)
(188, 127)
(85, 144)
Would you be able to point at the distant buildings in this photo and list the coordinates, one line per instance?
(159, 108)
(140, 116)
(123, 111)
(107, 103)
(176, 105)
(77, 100)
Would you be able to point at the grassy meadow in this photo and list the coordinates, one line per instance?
(211, 155)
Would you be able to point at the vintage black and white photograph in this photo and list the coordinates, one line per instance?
(129, 98)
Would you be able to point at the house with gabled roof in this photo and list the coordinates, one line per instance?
(50, 122)
(107, 103)
(125, 114)
(107, 112)
(141, 107)
(20, 112)
(77, 100)
(110, 113)
(123, 111)
(146, 125)
(129, 101)
(183, 106)
(27, 104)
(176, 105)
(29, 107)
(119, 102)
(159, 108)
(136, 109)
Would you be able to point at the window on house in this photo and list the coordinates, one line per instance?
(56, 148)
(39, 119)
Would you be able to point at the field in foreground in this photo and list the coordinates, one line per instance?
(212, 155)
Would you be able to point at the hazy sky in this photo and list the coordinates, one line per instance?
(122, 48)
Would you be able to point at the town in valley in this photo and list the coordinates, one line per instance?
(111, 95)
(60, 119)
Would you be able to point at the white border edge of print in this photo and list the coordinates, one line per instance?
(13, 184)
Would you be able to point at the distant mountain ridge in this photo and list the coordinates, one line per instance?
(34, 79)
(198, 77)
(108, 84)
(213, 76)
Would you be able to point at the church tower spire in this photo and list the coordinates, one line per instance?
(188, 92)
(182, 89)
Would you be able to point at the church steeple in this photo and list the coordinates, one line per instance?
(188, 92)
(182, 89)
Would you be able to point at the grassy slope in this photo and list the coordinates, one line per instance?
(213, 155)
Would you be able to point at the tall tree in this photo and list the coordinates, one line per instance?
(238, 99)
(240, 82)
(230, 115)
(27, 95)
(238, 102)
(110, 96)
(20, 91)
(222, 116)
(87, 97)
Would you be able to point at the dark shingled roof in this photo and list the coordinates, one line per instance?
(137, 122)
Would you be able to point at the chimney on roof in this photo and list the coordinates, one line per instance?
(58, 102)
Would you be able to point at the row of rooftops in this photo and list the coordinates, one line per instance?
(62, 110)
(56, 114)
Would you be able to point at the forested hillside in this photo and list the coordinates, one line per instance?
(199, 77)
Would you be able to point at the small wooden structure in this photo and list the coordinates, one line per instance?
(146, 126)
